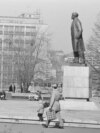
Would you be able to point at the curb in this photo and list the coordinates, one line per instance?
(69, 123)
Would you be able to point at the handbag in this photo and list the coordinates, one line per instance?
(51, 115)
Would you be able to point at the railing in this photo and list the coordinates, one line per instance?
(98, 72)
(95, 76)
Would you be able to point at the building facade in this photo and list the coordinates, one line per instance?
(16, 34)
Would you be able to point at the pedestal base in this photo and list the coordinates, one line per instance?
(76, 82)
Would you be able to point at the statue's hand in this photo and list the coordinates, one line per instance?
(78, 35)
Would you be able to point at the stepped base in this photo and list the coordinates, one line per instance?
(79, 105)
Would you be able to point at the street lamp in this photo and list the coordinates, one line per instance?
(2, 63)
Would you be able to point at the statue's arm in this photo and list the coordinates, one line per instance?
(79, 29)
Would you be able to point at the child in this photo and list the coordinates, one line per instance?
(41, 109)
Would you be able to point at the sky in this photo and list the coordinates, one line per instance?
(57, 15)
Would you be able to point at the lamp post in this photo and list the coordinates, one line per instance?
(2, 45)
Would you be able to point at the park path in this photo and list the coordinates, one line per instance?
(26, 111)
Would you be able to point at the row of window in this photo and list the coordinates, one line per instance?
(18, 33)
(17, 41)
(18, 28)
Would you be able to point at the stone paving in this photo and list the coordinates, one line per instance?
(20, 108)
(27, 110)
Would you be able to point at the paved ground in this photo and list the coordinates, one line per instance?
(25, 128)
(23, 111)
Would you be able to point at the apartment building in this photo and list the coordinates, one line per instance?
(15, 32)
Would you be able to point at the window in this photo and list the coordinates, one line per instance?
(30, 30)
(19, 30)
(1, 28)
(8, 28)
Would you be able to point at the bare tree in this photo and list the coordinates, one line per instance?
(94, 41)
(30, 61)
(93, 47)
(57, 63)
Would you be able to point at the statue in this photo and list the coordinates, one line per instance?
(77, 39)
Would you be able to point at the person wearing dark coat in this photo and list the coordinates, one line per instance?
(12, 88)
(77, 39)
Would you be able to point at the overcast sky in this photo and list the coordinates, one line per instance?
(57, 14)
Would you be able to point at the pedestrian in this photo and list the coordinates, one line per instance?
(41, 109)
(22, 87)
(55, 106)
(30, 91)
(39, 94)
(77, 39)
(12, 88)
(2, 95)
(60, 89)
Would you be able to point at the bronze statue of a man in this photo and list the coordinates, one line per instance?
(77, 39)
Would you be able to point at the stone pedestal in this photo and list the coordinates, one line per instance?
(76, 82)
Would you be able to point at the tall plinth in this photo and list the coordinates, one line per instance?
(76, 82)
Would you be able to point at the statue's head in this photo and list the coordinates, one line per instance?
(74, 15)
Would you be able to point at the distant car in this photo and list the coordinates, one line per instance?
(34, 97)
